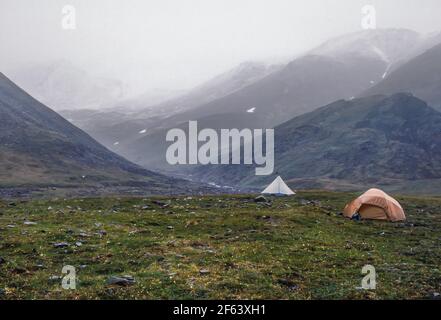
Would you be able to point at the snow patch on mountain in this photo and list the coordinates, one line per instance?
(389, 45)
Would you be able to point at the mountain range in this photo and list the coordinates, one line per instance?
(135, 118)
(40, 149)
(355, 111)
(389, 141)
(345, 67)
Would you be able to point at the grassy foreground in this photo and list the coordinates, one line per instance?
(225, 247)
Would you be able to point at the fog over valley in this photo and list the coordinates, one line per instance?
(160, 49)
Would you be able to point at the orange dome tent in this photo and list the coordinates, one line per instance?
(377, 205)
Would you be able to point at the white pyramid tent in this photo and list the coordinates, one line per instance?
(278, 187)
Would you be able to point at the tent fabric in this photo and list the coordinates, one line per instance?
(278, 187)
(377, 205)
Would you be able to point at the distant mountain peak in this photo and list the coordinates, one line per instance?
(391, 45)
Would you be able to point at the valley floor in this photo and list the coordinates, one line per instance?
(224, 247)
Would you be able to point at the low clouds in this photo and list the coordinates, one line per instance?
(178, 44)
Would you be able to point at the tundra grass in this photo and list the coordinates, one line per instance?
(217, 247)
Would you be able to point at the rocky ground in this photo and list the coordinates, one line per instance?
(226, 247)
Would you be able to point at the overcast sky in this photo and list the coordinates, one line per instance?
(177, 44)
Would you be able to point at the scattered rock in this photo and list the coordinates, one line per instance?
(145, 208)
(109, 291)
(29, 223)
(161, 204)
(12, 204)
(260, 199)
(229, 265)
(61, 245)
(78, 244)
(124, 281)
(19, 270)
(305, 202)
(204, 271)
(288, 283)
(158, 258)
(170, 227)
(84, 235)
(54, 278)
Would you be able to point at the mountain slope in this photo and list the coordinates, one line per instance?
(376, 140)
(302, 85)
(420, 76)
(40, 148)
(340, 68)
(221, 85)
(390, 45)
(254, 95)
(135, 118)
(62, 85)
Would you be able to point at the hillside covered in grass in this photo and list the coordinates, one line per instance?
(225, 247)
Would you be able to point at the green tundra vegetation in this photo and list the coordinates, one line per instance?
(217, 247)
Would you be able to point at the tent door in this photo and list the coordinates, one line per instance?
(368, 211)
